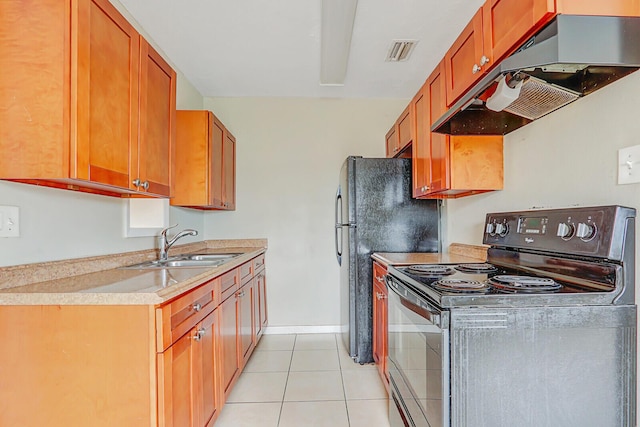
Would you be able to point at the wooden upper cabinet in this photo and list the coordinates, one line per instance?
(204, 162)
(107, 95)
(599, 7)
(391, 142)
(78, 117)
(468, 58)
(439, 154)
(229, 172)
(157, 121)
(509, 22)
(421, 148)
(401, 135)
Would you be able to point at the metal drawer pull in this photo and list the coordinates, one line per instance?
(380, 279)
(380, 295)
(240, 294)
(197, 307)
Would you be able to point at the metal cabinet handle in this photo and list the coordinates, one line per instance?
(138, 183)
(199, 334)
(197, 307)
(379, 279)
(476, 68)
(240, 294)
(484, 60)
(380, 295)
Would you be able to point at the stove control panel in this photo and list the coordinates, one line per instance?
(593, 231)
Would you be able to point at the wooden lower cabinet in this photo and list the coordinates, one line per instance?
(171, 365)
(229, 368)
(246, 298)
(380, 349)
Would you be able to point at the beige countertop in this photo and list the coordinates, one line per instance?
(457, 254)
(100, 281)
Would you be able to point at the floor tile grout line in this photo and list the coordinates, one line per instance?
(286, 383)
(344, 391)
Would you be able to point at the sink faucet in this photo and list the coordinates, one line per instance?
(166, 244)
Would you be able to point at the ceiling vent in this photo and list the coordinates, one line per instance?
(400, 50)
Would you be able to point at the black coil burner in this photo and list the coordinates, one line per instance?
(430, 270)
(524, 284)
(476, 268)
(461, 285)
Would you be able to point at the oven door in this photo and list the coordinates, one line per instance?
(418, 359)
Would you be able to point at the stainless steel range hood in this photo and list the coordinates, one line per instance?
(571, 57)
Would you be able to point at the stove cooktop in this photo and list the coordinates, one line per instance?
(478, 284)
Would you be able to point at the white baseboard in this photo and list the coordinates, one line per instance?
(283, 330)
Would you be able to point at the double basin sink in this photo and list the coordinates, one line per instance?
(189, 260)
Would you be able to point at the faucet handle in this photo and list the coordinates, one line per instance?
(164, 231)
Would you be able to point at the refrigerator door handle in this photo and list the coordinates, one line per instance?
(338, 212)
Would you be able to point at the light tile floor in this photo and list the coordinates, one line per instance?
(305, 380)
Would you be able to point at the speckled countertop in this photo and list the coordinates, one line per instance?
(100, 281)
(457, 254)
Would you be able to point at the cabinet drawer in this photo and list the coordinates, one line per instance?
(246, 272)
(228, 284)
(258, 263)
(177, 317)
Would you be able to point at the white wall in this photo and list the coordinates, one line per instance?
(289, 155)
(60, 224)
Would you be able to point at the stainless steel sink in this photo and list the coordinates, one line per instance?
(211, 257)
(187, 261)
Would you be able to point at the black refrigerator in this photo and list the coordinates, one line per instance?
(375, 212)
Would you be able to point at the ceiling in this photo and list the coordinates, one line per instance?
(271, 48)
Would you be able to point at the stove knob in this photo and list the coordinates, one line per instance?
(490, 229)
(565, 231)
(585, 231)
(502, 229)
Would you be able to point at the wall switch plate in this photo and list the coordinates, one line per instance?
(9, 221)
(629, 165)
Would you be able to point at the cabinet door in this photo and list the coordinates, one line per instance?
(405, 131)
(229, 368)
(260, 306)
(107, 95)
(391, 142)
(178, 398)
(210, 399)
(157, 122)
(421, 148)
(439, 142)
(262, 301)
(467, 59)
(217, 169)
(509, 22)
(245, 322)
(229, 167)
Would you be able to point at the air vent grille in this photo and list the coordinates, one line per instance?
(400, 50)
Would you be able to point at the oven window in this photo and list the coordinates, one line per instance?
(416, 355)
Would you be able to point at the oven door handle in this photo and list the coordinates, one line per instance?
(413, 302)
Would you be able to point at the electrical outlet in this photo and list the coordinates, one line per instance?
(629, 165)
(9, 221)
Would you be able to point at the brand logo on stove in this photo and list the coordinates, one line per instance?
(528, 240)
